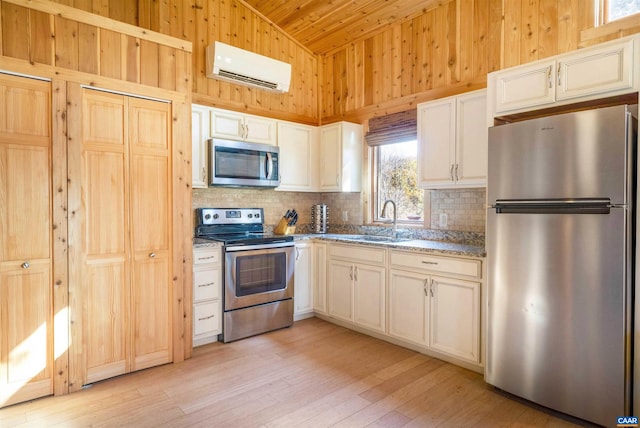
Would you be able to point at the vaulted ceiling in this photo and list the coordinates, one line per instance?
(325, 25)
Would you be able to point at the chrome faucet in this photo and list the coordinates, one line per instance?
(395, 216)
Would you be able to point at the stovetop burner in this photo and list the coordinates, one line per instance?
(235, 226)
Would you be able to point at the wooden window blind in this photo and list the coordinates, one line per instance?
(392, 128)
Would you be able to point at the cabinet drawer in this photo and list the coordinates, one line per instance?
(358, 253)
(465, 267)
(206, 318)
(206, 283)
(206, 255)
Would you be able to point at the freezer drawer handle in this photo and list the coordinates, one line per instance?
(209, 284)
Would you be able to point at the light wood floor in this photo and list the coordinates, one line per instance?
(314, 374)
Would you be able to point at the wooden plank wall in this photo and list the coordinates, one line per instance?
(64, 42)
(447, 50)
(202, 22)
(233, 22)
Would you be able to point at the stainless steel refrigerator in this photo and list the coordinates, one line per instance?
(560, 230)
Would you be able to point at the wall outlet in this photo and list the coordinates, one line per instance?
(442, 220)
(345, 215)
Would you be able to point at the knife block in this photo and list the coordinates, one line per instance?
(283, 228)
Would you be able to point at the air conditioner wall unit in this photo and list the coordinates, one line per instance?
(242, 67)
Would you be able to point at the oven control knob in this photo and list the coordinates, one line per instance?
(215, 216)
(207, 216)
(250, 216)
(257, 215)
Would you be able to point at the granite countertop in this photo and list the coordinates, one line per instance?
(418, 245)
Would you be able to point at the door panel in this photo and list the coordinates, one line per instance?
(105, 204)
(22, 100)
(106, 318)
(152, 311)
(26, 343)
(151, 204)
(25, 202)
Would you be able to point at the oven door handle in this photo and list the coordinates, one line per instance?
(276, 244)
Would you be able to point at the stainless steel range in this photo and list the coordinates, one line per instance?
(258, 271)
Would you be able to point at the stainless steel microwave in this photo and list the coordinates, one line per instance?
(240, 164)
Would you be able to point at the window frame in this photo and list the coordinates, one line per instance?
(602, 13)
(602, 29)
(375, 208)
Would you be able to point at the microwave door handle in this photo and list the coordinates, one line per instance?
(269, 165)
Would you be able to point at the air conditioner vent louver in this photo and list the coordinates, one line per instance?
(235, 65)
(247, 79)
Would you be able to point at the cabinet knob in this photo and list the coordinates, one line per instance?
(25, 265)
(152, 255)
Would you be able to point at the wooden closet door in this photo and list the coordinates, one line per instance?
(149, 130)
(105, 265)
(26, 289)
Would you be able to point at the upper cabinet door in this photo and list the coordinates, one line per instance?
(243, 127)
(341, 157)
(532, 85)
(602, 70)
(298, 157)
(330, 157)
(199, 137)
(436, 143)
(471, 140)
(227, 124)
(260, 130)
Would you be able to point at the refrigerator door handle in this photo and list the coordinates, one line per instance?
(553, 206)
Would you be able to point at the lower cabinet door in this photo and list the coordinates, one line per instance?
(454, 318)
(409, 306)
(369, 297)
(340, 290)
(303, 280)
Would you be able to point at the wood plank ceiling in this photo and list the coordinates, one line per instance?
(326, 25)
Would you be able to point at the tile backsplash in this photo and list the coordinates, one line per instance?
(276, 203)
(465, 208)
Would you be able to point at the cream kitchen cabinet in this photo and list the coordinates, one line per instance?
(200, 129)
(441, 313)
(357, 285)
(319, 278)
(243, 127)
(299, 157)
(452, 142)
(590, 73)
(303, 281)
(341, 157)
(454, 318)
(207, 294)
(26, 262)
